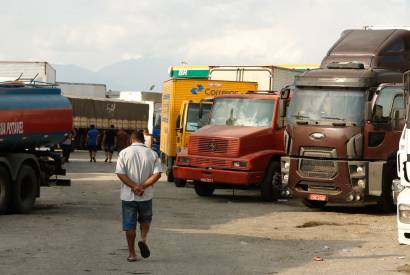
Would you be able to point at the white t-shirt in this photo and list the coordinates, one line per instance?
(137, 162)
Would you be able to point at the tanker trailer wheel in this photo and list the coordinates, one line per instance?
(314, 204)
(179, 182)
(203, 189)
(271, 184)
(4, 190)
(25, 190)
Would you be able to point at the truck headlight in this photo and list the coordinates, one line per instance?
(404, 213)
(240, 163)
(285, 178)
(359, 169)
(286, 165)
(361, 183)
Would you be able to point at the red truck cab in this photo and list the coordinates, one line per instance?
(240, 148)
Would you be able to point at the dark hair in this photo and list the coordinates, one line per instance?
(138, 135)
(92, 126)
(112, 126)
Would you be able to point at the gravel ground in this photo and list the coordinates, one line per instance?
(77, 230)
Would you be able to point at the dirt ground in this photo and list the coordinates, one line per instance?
(77, 230)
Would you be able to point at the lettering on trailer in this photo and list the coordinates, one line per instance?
(210, 91)
(11, 128)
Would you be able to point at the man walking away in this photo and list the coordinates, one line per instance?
(109, 142)
(138, 168)
(92, 142)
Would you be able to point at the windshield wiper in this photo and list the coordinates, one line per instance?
(335, 118)
(301, 116)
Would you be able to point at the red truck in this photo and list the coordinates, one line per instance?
(240, 148)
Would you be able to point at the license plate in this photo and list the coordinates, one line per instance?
(317, 197)
(206, 180)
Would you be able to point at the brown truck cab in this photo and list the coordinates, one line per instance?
(345, 119)
(240, 148)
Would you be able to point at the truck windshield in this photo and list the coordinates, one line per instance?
(327, 104)
(243, 112)
(193, 122)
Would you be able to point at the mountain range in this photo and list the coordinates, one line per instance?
(126, 75)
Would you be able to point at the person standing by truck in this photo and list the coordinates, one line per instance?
(109, 142)
(92, 142)
(66, 145)
(123, 139)
(148, 138)
(138, 168)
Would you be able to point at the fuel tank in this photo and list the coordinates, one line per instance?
(32, 116)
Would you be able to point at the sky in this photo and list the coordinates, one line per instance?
(96, 33)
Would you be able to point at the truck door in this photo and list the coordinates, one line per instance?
(382, 132)
(180, 126)
(191, 123)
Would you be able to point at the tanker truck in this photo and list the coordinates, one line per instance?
(32, 117)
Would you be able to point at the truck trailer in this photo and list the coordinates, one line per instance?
(102, 113)
(39, 71)
(31, 117)
(90, 90)
(345, 119)
(240, 148)
(269, 77)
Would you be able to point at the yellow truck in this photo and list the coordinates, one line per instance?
(182, 103)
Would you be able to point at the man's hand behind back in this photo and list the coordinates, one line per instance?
(138, 190)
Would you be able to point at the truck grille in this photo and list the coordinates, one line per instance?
(314, 168)
(210, 146)
(210, 163)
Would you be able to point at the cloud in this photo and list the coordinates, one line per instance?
(262, 46)
(96, 33)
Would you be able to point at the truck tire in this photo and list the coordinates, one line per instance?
(386, 202)
(179, 182)
(5, 191)
(24, 190)
(314, 204)
(271, 184)
(170, 174)
(203, 189)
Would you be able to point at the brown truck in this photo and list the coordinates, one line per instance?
(345, 120)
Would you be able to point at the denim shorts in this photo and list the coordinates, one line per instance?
(133, 211)
(109, 148)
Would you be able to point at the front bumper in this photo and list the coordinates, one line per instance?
(240, 178)
(340, 185)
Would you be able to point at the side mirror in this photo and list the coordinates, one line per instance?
(285, 93)
(396, 119)
(178, 123)
(378, 115)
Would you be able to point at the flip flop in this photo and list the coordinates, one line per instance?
(145, 253)
(132, 259)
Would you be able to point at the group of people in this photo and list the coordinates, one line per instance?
(111, 140)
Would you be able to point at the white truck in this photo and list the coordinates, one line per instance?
(269, 77)
(90, 90)
(401, 186)
(40, 71)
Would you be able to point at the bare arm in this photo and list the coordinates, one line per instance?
(151, 180)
